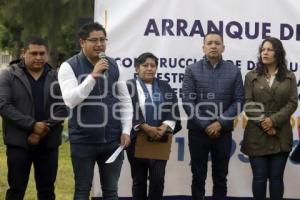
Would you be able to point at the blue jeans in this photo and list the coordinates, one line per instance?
(269, 167)
(201, 146)
(84, 157)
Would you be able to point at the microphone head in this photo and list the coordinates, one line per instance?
(102, 55)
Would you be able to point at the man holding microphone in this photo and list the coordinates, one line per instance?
(101, 112)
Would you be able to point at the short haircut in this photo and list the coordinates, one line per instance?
(143, 57)
(86, 29)
(213, 33)
(37, 40)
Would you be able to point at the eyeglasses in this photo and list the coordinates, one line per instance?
(96, 40)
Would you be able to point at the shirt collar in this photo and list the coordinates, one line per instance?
(209, 64)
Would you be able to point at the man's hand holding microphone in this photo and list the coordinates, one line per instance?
(101, 66)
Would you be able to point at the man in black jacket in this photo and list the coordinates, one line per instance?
(32, 115)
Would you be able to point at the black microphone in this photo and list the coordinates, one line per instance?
(103, 56)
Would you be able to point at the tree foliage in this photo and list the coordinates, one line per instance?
(55, 20)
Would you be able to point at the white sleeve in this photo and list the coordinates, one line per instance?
(170, 123)
(126, 109)
(72, 92)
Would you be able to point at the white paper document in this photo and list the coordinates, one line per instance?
(113, 157)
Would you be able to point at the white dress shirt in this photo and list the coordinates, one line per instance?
(271, 79)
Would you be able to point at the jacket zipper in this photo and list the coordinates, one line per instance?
(104, 129)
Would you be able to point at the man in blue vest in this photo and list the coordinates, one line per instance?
(101, 112)
(212, 97)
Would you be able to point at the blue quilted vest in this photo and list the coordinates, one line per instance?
(95, 120)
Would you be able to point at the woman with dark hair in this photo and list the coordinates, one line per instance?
(271, 99)
(153, 102)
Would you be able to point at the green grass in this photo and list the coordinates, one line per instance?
(64, 186)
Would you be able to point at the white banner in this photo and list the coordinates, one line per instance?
(173, 30)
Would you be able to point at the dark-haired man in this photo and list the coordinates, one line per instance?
(212, 95)
(101, 112)
(31, 128)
